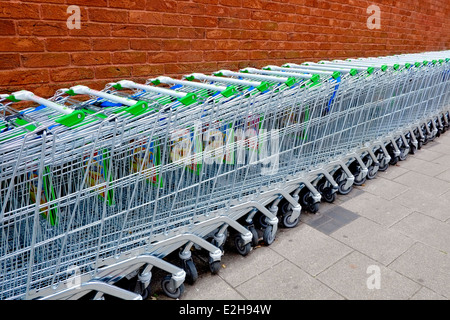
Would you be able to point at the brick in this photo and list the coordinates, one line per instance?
(161, 5)
(170, 45)
(132, 31)
(112, 44)
(7, 28)
(41, 28)
(128, 4)
(90, 3)
(162, 57)
(189, 56)
(109, 72)
(176, 19)
(146, 44)
(143, 17)
(92, 30)
(129, 57)
(191, 33)
(14, 10)
(90, 58)
(23, 77)
(228, 23)
(9, 61)
(71, 74)
(107, 15)
(68, 44)
(40, 60)
(148, 71)
(199, 21)
(162, 32)
(190, 8)
(59, 12)
(14, 44)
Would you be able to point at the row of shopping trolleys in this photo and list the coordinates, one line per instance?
(98, 187)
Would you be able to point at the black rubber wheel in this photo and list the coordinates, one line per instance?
(136, 287)
(191, 271)
(384, 165)
(242, 249)
(328, 195)
(284, 207)
(214, 266)
(286, 221)
(404, 154)
(412, 149)
(359, 181)
(255, 236)
(313, 207)
(268, 238)
(394, 160)
(341, 186)
(174, 294)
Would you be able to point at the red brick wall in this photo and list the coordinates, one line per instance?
(138, 39)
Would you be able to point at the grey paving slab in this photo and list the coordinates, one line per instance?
(239, 269)
(286, 281)
(426, 155)
(350, 277)
(390, 174)
(310, 249)
(377, 242)
(435, 146)
(210, 287)
(384, 188)
(445, 175)
(422, 166)
(427, 294)
(427, 266)
(443, 160)
(426, 203)
(375, 208)
(425, 229)
(420, 181)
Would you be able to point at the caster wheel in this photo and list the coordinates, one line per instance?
(412, 149)
(287, 222)
(262, 221)
(191, 271)
(342, 190)
(255, 236)
(394, 161)
(372, 173)
(328, 195)
(404, 154)
(268, 238)
(359, 181)
(284, 207)
(136, 287)
(214, 267)
(167, 287)
(384, 165)
(313, 208)
(242, 249)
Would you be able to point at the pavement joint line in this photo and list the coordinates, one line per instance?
(412, 279)
(315, 277)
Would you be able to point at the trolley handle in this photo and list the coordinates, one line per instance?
(334, 75)
(132, 106)
(168, 80)
(261, 86)
(314, 78)
(245, 74)
(183, 97)
(70, 118)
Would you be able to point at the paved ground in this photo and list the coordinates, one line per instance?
(389, 239)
